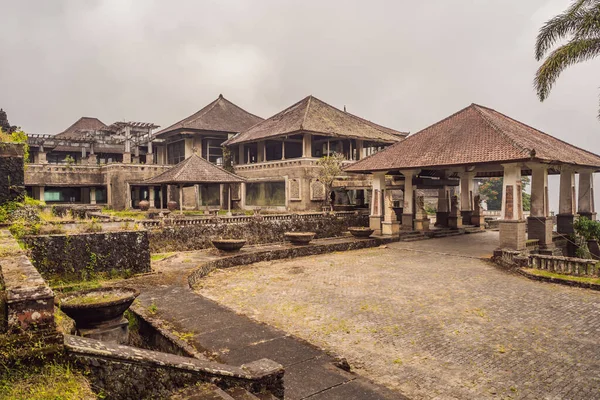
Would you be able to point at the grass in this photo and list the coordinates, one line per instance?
(547, 274)
(96, 298)
(54, 381)
(160, 256)
(125, 214)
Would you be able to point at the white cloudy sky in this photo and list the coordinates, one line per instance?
(403, 64)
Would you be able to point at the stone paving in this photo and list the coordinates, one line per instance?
(431, 319)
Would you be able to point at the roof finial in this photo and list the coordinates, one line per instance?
(220, 95)
(344, 108)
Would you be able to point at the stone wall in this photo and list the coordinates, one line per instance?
(71, 257)
(254, 230)
(565, 265)
(12, 178)
(124, 372)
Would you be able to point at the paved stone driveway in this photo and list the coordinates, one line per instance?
(429, 324)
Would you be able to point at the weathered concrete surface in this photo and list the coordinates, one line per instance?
(12, 178)
(429, 318)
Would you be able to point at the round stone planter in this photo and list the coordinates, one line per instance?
(144, 205)
(299, 238)
(94, 307)
(229, 245)
(172, 205)
(360, 231)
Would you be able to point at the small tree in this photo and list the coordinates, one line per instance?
(331, 166)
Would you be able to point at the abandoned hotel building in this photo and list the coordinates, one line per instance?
(94, 163)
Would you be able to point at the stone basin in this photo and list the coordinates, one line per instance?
(360, 231)
(94, 307)
(228, 244)
(299, 238)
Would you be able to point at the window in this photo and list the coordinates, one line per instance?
(176, 152)
(212, 150)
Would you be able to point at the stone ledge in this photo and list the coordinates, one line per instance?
(566, 282)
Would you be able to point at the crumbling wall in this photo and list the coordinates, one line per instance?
(254, 231)
(71, 257)
(12, 178)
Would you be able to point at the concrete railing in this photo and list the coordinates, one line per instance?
(277, 164)
(565, 265)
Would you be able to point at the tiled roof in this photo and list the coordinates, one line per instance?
(221, 115)
(77, 130)
(192, 170)
(475, 135)
(313, 115)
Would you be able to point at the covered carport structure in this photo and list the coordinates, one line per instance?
(194, 171)
(481, 142)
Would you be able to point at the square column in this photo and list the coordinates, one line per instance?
(241, 154)
(409, 195)
(92, 195)
(566, 206)
(585, 198)
(151, 199)
(378, 187)
(513, 234)
(390, 224)
(307, 145)
(188, 147)
(539, 224)
(467, 185)
(455, 219)
(260, 157)
(41, 193)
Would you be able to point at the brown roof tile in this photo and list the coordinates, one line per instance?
(221, 115)
(313, 115)
(77, 130)
(475, 135)
(192, 170)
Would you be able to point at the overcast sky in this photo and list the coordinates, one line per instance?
(402, 64)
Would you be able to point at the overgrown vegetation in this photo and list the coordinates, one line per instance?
(331, 167)
(547, 274)
(491, 189)
(56, 381)
(16, 136)
(125, 213)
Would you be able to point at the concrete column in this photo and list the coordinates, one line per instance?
(359, 149)
(585, 198)
(92, 195)
(467, 185)
(136, 195)
(126, 158)
(378, 187)
(512, 226)
(197, 193)
(566, 206)
(189, 147)
(241, 154)
(229, 200)
(181, 199)
(151, 199)
(83, 153)
(41, 192)
(409, 192)
(443, 206)
(160, 196)
(455, 219)
(150, 154)
(42, 157)
(539, 225)
(307, 145)
(127, 196)
(127, 139)
(283, 149)
(243, 195)
(390, 224)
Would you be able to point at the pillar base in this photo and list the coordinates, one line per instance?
(136, 160)
(564, 223)
(421, 224)
(149, 159)
(92, 159)
(455, 222)
(513, 234)
(407, 222)
(390, 227)
(441, 218)
(126, 158)
(478, 220)
(540, 228)
(375, 224)
(466, 216)
(588, 215)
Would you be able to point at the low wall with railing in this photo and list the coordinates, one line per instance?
(565, 265)
(197, 233)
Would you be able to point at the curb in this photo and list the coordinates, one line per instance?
(564, 282)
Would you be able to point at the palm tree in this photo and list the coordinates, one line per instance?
(580, 25)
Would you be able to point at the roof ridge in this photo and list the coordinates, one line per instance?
(201, 112)
(306, 112)
(513, 142)
(241, 109)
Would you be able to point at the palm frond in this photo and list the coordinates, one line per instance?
(581, 16)
(576, 51)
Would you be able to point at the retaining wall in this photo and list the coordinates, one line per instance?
(12, 178)
(71, 257)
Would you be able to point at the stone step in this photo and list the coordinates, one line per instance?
(202, 392)
(242, 394)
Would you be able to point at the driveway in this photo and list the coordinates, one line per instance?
(430, 319)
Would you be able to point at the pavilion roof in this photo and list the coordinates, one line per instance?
(315, 116)
(79, 129)
(221, 116)
(192, 170)
(475, 135)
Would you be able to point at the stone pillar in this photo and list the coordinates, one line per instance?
(136, 195)
(189, 147)
(127, 139)
(539, 224)
(566, 207)
(160, 195)
(467, 184)
(378, 187)
(221, 197)
(128, 202)
(512, 225)
(243, 195)
(229, 200)
(41, 192)
(42, 157)
(150, 154)
(126, 158)
(408, 210)
(241, 154)
(307, 145)
(92, 159)
(92, 195)
(585, 198)
(443, 206)
(359, 149)
(151, 199)
(390, 224)
(198, 196)
(283, 149)
(181, 199)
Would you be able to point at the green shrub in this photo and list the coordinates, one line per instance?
(587, 229)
